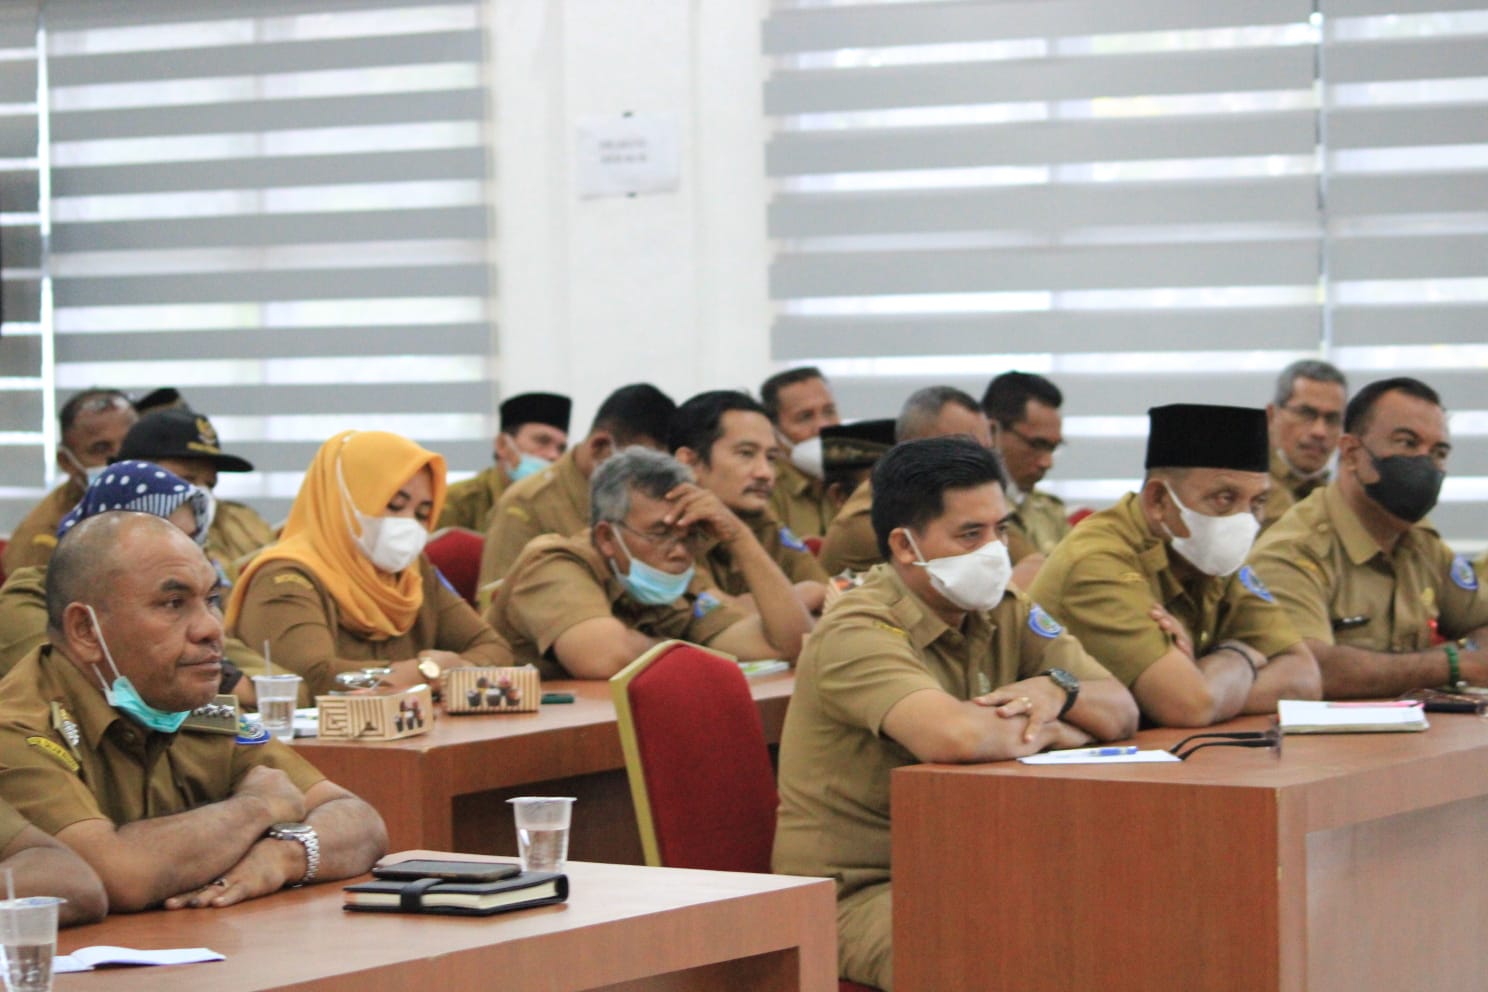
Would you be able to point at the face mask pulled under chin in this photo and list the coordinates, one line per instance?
(1214, 545)
(807, 456)
(1408, 485)
(124, 697)
(976, 580)
(390, 543)
(91, 472)
(647, 584)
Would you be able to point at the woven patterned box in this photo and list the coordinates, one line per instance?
(376, 717)
(491, 690)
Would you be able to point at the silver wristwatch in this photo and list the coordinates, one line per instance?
(304, 834)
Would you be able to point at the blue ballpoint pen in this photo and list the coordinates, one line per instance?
(1097, 752)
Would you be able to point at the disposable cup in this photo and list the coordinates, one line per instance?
(542, 831)
(28, 940)
(276, 703)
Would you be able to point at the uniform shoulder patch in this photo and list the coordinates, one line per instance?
(705, 603)
(790, 540)
(293, 578)
(251, 731)
(55, 751)
(1042, 624)
(1463, 575)
(1131, 577)
(518, 512)
(1251, 581)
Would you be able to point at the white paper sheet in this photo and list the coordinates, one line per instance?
(88, 958)
(1090, 756)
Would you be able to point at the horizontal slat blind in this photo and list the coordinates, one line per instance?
(1150, 201)
(281, 208)
(23, 379)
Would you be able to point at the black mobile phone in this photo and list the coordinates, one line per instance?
(450, 871)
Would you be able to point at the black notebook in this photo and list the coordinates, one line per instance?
(433, 895)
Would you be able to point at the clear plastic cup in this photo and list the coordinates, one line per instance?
(277, 695)
(28, 941)
(542, 831)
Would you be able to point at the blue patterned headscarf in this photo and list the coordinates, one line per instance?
(146, 488)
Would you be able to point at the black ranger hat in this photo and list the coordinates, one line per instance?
(856, 445)
(1196, 435)
(177, 432)
(535, 408)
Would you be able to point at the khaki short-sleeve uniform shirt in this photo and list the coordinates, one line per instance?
(554, 501)
(115, 769)
(237, 532)
(35, 537)
(562, 581)
(876, 645)
(1105, 576)
(800, 502)
(1287, 490)
(286, 605)
(469, 504)
(1042, 521)
(1339, 587)
(778, 540)
(11, 824)
(850, 542)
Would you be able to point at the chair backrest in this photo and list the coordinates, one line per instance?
(699, 766)
(456, 552)
(813, 544)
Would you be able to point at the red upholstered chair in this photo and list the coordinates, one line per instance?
(456, 552)
(696, 756)
(1079, 515)
(813, 544)
(699, 767)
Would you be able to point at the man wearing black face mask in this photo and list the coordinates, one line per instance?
(1364, 579)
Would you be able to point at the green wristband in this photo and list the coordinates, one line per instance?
(1454, 669)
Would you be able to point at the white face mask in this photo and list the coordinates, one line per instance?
(1215, 545)
(807, 456)
(976, 580)
(390, 543)
(90, 472)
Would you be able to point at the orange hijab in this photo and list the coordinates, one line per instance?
(319, 535)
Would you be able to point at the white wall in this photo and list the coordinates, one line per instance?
(667, 288)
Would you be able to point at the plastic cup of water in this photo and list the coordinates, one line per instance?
(28, 940)
(276, 703)
(542, 831)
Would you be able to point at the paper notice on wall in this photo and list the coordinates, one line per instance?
(628, 154)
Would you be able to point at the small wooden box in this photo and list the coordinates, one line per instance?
(491, 690)
(376, 717)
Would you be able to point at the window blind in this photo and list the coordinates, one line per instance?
(1150, 202)
(23, 374)
(281, 208)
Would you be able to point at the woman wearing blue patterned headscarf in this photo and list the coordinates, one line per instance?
(146, 488)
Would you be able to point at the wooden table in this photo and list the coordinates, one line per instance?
(446, 790)
(1353, 862)
(624, 927)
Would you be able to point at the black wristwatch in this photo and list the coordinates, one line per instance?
(1068, 683)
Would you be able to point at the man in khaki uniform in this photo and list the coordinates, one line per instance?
(556, 500)
(1304, 421)
(935, 411)
(183, 441)
(163, 812)
(932, 659)
(727, 441)
(40, 866)
(1155, 587)
(1025, 408)
(93, 423)
(534, 435)
(799, 403)
(585, 606)
(1367, 583)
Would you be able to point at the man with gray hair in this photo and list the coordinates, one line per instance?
(935, 411)
(1304, 420)
(586, 605)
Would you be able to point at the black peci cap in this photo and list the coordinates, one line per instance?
(535, 408)
(1196, 435)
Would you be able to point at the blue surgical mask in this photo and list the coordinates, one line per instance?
(648, 585)
(528, 465)
(125, 698)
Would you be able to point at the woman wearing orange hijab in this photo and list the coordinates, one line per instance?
(347, 586)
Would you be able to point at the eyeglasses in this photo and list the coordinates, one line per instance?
(1269, 738)
(1311, 415)
(1041, 445)
(663, 542)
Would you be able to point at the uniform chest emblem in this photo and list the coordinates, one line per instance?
(1251, 581)
(1463, 575)
(790, 540)
(1042, 624)
(705, 603)
(251, 731)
